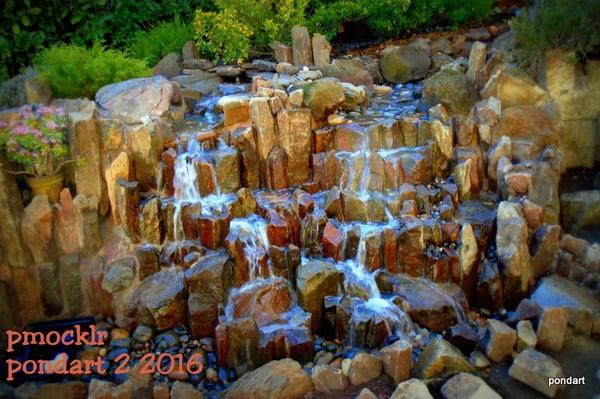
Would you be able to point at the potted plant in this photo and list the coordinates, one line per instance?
(36, 140)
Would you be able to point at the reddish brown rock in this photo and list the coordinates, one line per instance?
(264, 301)
(551, 328)
(499, 340)
(333, 244)
(397, 360)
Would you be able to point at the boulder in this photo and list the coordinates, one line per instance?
(350, 71)
(295, 138)
(276, 379)
(544, 249)
(282, 52)
(428, 305)
(397, 360)
(168, 66)
(136, 100)
(119, 275)
(476, 61)
(323, 97)
(264, 301)
(328, 379)
(499, 340)
(440, 359)
(514, 87)
(411, 389)
(189, 51)
(468, 386)
(534, 369)
(403, 64)
(364, 368)
(162, 299)
(450, 88)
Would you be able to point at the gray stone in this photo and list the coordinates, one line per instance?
(119, 275)
(411, 389)
(321, 50)
(168, 66)
(70, 278)
(468, 386)
(534, 369)
(405, 63)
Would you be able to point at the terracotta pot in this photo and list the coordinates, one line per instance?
(47, 185)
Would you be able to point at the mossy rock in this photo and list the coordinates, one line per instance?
(323, 97)
(450, 88)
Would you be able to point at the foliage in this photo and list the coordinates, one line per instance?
(37, 140)
(557, 24)
(242, 26)
(389, 18)
(164, 38)
(75, 71)
(31, 25)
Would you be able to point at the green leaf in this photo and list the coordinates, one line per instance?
(16, 29)
(25, 20)
(100, 2)
(76, 18)
(35, 10)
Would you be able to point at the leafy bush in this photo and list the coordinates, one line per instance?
(242, 26)
(31, 25)
(557, 24)
(389, 18)
(76, 71)
(164, 38)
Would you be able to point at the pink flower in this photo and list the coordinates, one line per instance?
(51, 125)
(21, 130)
(37, 133)
(45, 110)
(3, 124)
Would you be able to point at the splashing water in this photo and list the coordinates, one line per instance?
(253, 233)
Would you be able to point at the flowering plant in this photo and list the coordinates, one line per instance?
(36, 140)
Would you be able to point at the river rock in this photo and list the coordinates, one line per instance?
(397, 360)
(366, 393)
(323, 97)
(279, 378)
(405, 63)
(411, 389)
(468, 386)
(36, 229)
(440, 359)
(328, 380)
(100, 389)
(450, 88)
(364, 368)
(315, 280)
(499, 340)
(136, 100)
(534, 369)
(162, 299)
(301, 46)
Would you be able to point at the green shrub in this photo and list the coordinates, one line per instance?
(240, 27)
(76, 71)
(164, 38)
(32, 25)
(557, 24)
(390, 18)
